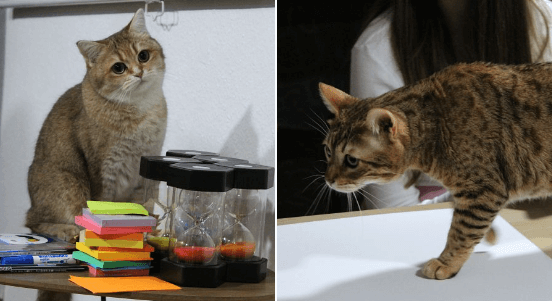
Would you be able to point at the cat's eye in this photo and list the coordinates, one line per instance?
(118, 68)
(351, 161)
(143, 56)
(327, 151)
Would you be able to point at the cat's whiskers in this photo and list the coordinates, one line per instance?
(131, 83)
(318, 127)
(350, 196)
(323, 122)
(318, 177)
(368, 196)
(124, 93)
(375, 186)
(154, 72)
(171, 76)
(329, 199)
(349, 202)
(119, 96)
(323, 189)
(321, 172)
(356, 199)
(125, 97)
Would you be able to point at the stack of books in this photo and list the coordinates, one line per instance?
(113, 243)
(36, 253)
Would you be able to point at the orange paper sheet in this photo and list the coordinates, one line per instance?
(104, 285)
(131, 241)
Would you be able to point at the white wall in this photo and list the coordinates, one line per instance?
(219, 86)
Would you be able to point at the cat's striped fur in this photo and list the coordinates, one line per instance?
(483, 130)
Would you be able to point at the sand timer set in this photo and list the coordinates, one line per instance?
(212, 225)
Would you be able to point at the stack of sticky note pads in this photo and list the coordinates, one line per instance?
(113, 242)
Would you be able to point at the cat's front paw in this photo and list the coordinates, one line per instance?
(69, 233)
(436, 269)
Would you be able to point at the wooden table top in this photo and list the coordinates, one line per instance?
(532, 218)
(265, 290)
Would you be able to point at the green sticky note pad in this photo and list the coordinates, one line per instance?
(108, 264)
(97, 207)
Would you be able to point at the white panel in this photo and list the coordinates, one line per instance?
(219, 85)
(378, 257)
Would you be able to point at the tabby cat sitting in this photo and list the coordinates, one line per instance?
(90, 144)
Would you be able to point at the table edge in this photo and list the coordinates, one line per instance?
(141, 295)
(323, 217)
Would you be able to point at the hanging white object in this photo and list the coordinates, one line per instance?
(158, 14)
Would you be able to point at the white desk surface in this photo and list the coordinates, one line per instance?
(378, 257)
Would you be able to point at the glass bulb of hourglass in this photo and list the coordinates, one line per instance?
(199, 205)
(195, 246)
(241, 202)
(237, 242)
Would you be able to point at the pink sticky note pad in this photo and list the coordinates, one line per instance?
(117, 273)
(83, 221)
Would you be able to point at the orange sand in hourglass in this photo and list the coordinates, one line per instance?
(238, 250)
(195, 254)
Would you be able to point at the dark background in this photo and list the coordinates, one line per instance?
(314, 45)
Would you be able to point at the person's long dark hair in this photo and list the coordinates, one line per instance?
(498, 29)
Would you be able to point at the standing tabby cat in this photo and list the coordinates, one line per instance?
(90, 144)
(484, 131)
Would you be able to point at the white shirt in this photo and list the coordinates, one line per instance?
(374, 71)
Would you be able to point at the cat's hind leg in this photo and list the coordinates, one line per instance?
(473, 214)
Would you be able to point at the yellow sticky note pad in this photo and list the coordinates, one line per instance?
(99, 207)
(116, 254)
(103, 285)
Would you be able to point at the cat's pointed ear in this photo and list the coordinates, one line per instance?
(138, 23)
(385, 121)
(335, 99)
(90, 50)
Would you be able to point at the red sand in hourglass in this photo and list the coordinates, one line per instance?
(194, 254)
(239, 250)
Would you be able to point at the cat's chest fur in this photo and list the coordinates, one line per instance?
(116, 138)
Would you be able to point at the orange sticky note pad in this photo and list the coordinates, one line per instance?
(103, 285)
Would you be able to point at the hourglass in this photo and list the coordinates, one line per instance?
(155, 170)
(242, 236)
(196, 232)
(238, 241)
(195, 244)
